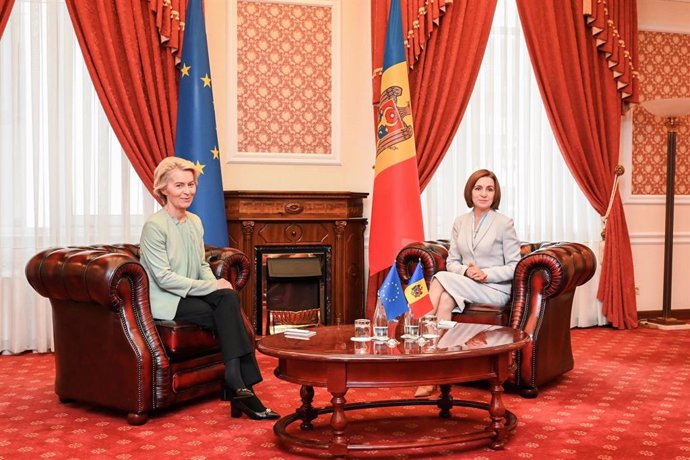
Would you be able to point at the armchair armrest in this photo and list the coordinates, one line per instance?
(229, 263)
(432, 255)
(100, 302)
(545, 273)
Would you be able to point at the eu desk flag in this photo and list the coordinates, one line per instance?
(391, 295)
(197, 139)
(396, 215)
(417, 294)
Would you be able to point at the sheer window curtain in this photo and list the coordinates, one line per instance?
(65, 179)
(505, 129)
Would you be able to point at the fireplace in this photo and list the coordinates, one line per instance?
(292, 287)
(328, 226)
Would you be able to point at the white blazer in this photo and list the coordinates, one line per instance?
(495, 249)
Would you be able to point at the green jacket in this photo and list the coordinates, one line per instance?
(173, 256)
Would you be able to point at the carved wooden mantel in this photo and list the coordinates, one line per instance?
(334, 219)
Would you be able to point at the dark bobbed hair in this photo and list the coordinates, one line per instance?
(472, 180)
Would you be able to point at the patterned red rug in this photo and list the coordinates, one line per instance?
(627, 398)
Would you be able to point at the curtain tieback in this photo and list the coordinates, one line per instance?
(620, 170)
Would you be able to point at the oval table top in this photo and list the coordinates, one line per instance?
(333, 343)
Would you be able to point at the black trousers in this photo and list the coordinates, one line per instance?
(219, 311)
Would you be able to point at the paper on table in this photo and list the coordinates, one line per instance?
(302, 332)
(297, 336)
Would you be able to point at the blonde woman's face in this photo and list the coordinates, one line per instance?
(483, 194)
(181, 189)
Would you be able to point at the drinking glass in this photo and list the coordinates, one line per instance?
(429, 327)
(361, 348)
(362, 328)
(411, 326)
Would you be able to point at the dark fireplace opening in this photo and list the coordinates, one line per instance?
(293, 287)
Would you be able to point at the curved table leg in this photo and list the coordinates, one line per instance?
(306, 411)
(497, 413)
(339, 443)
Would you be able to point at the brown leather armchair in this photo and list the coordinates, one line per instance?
(109, 351)
(542, 299)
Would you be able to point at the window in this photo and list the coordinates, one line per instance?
(505, 129)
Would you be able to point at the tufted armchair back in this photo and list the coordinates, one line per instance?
(109, 350)
(542, 297)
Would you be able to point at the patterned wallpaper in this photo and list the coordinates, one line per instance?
(283, 78)
(664, 72)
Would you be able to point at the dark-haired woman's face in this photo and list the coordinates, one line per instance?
(483, 194)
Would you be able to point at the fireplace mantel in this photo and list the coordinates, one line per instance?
(263, 219)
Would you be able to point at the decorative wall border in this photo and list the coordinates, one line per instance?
(627, 146)
(331, 158)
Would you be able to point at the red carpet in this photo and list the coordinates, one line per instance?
(627, 398)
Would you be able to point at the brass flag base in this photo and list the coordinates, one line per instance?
(665, 324)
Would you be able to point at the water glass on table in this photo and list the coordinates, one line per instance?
(429, 327)
(362, 329)
(411, 329)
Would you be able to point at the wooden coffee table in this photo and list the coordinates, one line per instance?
(468, 352)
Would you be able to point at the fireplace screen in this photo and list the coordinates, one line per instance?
(293, 284)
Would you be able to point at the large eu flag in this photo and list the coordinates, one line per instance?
(396, 215)
(197, 139)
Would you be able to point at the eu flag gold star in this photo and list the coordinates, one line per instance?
(215, 152)
(199, 167)
(207, 80)
(185, 69)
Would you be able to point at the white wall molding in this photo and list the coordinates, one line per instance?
(647, 238)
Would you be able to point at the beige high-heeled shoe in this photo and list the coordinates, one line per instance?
(424, 391)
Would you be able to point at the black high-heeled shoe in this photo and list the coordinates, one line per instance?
(237, 408)
(231, 394)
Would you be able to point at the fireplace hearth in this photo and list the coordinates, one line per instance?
(292, 286)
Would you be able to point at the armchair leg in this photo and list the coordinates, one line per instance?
(529, 392)
(137, 419)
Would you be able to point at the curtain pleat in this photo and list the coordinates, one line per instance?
(613, 24)
(170, 20)
(441, 82)
(5, 10)
(134, 77)
(420, 18)
(584, 110)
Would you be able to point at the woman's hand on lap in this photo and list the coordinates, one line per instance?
(224, 284)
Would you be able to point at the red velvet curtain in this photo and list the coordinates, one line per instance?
(441, 81)
(134, 76)
(584, 108)
(5, 10)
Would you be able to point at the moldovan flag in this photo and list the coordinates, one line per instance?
(396, 215)
(417, 294)
(196, 138)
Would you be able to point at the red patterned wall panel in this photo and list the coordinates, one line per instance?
(664, 73)
(283, 78)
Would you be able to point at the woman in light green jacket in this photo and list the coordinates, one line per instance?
(182, 286)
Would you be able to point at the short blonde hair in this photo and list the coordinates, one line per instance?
(162, 174)
(473, 180)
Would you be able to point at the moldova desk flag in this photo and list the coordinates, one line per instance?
(391, 295)
(196, 138)
(396, 215)
(417, 294)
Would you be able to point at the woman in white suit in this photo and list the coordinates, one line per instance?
(484, 250)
